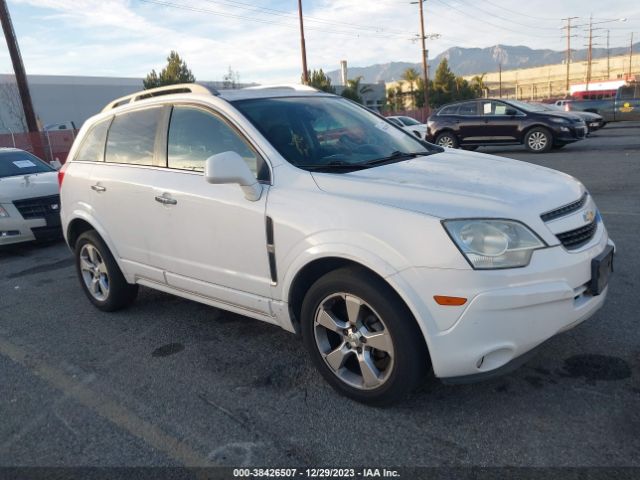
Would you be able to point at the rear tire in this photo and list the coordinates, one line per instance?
(362, 337)
(538, 140)
(99, 274)
(447, 139)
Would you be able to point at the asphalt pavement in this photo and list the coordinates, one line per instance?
(171, 382)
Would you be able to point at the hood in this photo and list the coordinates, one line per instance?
(569, 115)
(459, 184)
(28, 186)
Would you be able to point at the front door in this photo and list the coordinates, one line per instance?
(500, 122)
(215, 239)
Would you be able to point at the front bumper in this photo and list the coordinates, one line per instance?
(15, 229)
(508, 312)
(570, 133)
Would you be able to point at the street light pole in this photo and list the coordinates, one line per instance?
(305, 72)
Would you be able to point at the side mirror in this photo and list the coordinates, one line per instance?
(229, 167)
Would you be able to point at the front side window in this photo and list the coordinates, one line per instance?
(195, 135)
(14, 163)
(92, 148)
(132, 137)
(330, 133)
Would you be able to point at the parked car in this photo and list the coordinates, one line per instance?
(390, 256)
(625, 105)
(592, 120)
(29, 198)
(409, 124)
(474, 123)
(68, 125)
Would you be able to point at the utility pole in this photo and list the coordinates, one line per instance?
(630, 55)
(305, 72)
(18, 67)
(567, 27)
(425, 74)
(590, 51)
(608, 57)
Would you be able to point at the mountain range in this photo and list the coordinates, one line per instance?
(468, 61)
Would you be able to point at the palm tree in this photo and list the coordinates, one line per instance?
(411, 75)
(478, 84)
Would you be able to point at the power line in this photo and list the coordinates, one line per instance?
(307, 18)
(548, 19)
(470, 17)
(268, 22)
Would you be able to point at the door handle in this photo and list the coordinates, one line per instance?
(98, 188)
(166, 200)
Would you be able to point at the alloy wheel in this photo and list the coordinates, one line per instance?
(446, 141)
(354, 341)
(94, 272)
(537, 141)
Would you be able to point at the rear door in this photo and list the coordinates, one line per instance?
(123, 195)
(215, 239)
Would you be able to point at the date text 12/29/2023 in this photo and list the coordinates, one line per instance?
(315, 473)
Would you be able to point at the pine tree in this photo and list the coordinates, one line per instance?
(176, 71)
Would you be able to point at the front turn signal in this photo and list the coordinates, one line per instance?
(449, 301)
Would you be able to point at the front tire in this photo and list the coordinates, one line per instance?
(100, 277)
(538, 140)
(447, 139)
(362, 337)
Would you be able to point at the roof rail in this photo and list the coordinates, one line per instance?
(287, 86)
(156, 92)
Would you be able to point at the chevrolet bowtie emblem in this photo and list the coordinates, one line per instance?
(589, 216)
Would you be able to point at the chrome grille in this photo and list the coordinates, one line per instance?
(564, 210)
(578, 237)
(38, 207)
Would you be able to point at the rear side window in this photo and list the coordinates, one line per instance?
(195, 135)
(132, 137)
(92, 148)
(450, 110)
(468, 109)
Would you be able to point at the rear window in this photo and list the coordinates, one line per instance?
(92, 148)
(450, 110)
(132, 137)
(14, 164)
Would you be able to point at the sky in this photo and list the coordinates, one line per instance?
(260, 40)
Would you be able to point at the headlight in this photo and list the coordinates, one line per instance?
(3, 212)
(489, 244)
(560, 120)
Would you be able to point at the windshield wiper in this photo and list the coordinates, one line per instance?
(333, 166)
(396, 156)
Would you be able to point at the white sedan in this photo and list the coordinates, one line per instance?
(29, 198)
(409, 124)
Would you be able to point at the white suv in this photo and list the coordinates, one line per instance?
(390, 256)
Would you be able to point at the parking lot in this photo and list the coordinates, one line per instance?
(172, 382)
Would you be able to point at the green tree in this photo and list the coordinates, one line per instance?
(477, 83)
(354, 90)
(231, 79)
(318, 79)
(411, 76)
(176, 71)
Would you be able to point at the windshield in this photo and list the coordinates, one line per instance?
(528, 107)
(409, 121)
(16, 163)
(329, 133)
